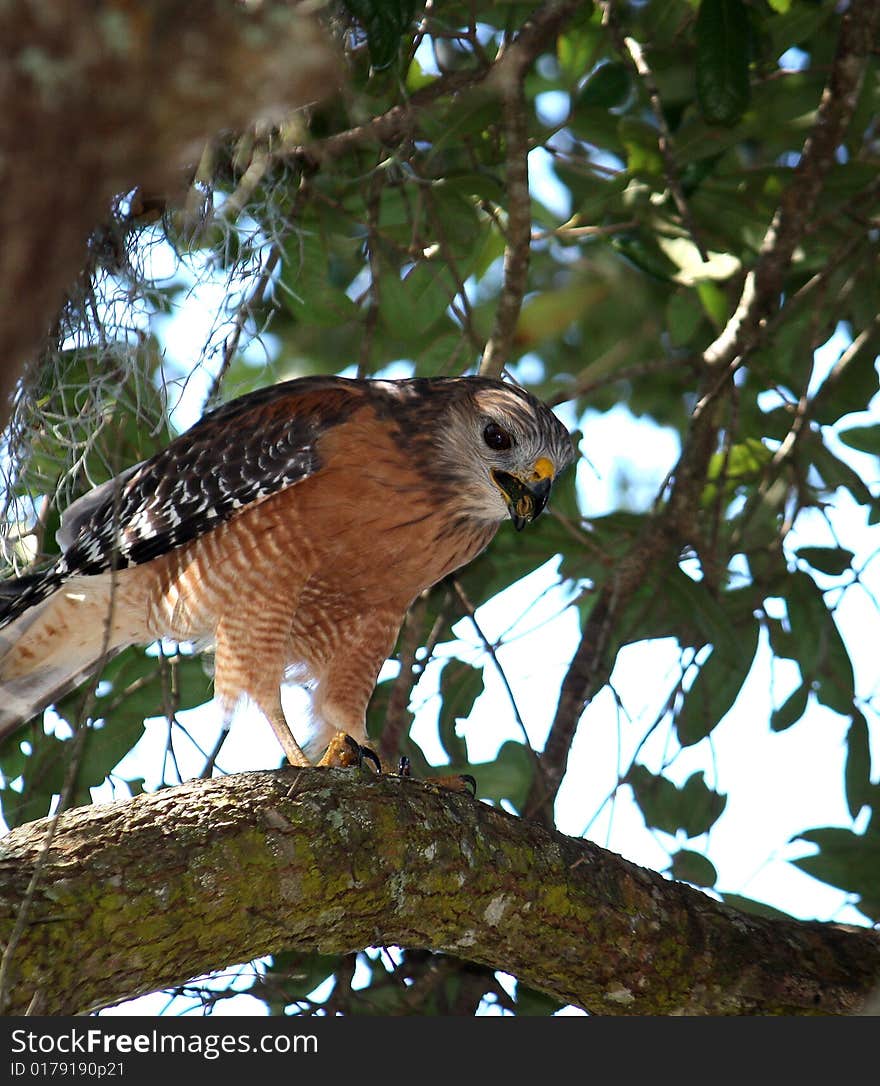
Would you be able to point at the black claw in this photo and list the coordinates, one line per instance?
(471, 782)
(367, 754)
(403, 767)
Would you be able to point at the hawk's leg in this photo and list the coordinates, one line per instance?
(241, 641)
(284, 735)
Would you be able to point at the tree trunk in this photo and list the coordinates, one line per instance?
(144, 894)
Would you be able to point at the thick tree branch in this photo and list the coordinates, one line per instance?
(126, 95)
(144, 894)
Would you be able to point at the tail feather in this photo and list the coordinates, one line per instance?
(24, 698)
(19, 595)
(54, 645)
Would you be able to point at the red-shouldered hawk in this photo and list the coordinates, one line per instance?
(293, 527)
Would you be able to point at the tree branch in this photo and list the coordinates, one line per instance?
(629, 47)
(677, 523)
(763, 285)
(508, 75)
(130, 93)
(145, 894)
(517, 249)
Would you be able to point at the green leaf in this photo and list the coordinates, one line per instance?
(830, 560)
(835, 473)
(411, 305)
(717, 685)
(693, 808)
(722, 68)
(508, 776)
(741, 464)
(534, 1004)
(104, 748)
(608, 86)
(44, 774)
(791, 710)
(754, 908)
(12, 757)
(384, 22)
(460, 686)
(852, 388)
(291, 976)
(847, 860)
(306, 287)
(693, 867)
(684, 316)
(820, 651)
(863, 438)
(643, 251)
(574, 52)
(714, 302)
(857, 773)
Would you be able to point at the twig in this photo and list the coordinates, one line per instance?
(396, 722)
(493, 656)
(629, 46)
(571, 229)
(517, 249)
(230, 345)
(371, 314)
(601, 371)
(81, 730)
(508, 74)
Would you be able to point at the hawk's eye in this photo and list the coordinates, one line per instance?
(496, 438)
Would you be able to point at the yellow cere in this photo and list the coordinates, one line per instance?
(543, 469)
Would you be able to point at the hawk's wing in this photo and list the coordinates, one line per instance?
(239, 454)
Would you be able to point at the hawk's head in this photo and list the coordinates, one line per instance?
(496, 447)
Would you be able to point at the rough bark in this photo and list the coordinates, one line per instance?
(144, 894)
(125, 94)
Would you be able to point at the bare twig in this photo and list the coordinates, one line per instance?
(397, 718)
(604, 371)
(493, 656)
(77, 745)
(508, 74)
(517, 249)
(245, 310)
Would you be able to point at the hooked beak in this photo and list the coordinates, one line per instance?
(525, 498)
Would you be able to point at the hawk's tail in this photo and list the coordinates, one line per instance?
(51, 641)
(20, 594)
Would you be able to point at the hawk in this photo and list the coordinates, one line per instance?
(291, 528)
